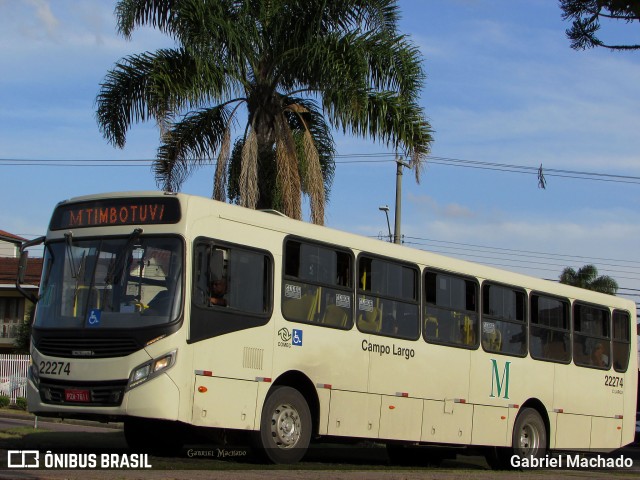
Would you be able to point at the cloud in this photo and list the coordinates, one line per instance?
(425, 204)
(45, 16)
(536, 244)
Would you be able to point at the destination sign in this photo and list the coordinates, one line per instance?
(116, 211)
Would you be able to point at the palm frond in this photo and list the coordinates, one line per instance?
(386, 117)
(249, 171)
(133, 13)
(287, 165)
(220, 178)
(153, 85)
(314, 181)
(189, 144)
(308, 116)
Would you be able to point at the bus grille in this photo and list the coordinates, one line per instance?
(87, 347)
(101, 394)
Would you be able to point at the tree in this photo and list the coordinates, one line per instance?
(586, 16)
(22, 342)
(296, 67)
(587, 277)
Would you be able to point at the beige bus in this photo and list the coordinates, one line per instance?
(168, 311)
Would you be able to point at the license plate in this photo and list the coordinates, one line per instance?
(77, 395)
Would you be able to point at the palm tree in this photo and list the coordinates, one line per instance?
(296, 67)
(587, 277)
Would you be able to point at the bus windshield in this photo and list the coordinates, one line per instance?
(116, 282)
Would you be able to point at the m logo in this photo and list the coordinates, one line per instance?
(500, 384)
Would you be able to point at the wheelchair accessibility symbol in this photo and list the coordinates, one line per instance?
(94, 318)
(296, 340)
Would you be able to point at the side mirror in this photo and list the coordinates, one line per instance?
(22, 267)
(216, 264)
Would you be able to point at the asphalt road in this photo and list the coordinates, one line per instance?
(110, 439)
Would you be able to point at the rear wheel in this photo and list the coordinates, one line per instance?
(529, 440)
(285, 427)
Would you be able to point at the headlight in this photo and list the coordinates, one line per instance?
(151, 369)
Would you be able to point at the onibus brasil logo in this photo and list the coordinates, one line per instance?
(34, 459)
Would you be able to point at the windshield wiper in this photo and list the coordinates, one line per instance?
(68, 240)
(123, 256)
(114, 273)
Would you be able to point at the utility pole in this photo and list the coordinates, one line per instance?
(397, 236)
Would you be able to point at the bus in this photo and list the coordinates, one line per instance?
(169, 311)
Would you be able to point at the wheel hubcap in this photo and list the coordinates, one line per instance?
(286, 427)
(529, 440)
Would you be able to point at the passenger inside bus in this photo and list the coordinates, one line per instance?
(598, 358)
(217, 291)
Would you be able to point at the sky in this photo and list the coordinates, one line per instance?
(503, 87)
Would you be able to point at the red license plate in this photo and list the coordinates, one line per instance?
(77, 395)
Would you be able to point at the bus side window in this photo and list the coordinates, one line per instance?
(232, 289)
(388, 302)
(236, 278)
(317, 285)
(621, 340)
(549, 337)
(591, 339)
(503, 320)
(450, 312)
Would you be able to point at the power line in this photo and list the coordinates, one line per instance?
(344, 159)
(484, 254)
(478, 253)
(521, 253)
(502, 167)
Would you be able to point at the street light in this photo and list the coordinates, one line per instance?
(385, 209)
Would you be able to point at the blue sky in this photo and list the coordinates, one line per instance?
(502, 87)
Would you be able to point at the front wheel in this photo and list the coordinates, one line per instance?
(285, 427)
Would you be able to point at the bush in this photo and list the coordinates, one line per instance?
(4, 401)
(21, 403)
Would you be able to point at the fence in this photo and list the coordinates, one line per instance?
(13, 375)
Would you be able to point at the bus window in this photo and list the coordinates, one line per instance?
(503, 320)
(387, 299)
(549, 334)
(591, 339)
(317, 286)
(621, 340)
(231, 289)
(451, 311)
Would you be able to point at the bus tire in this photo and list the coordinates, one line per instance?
(285, 426)
(529, 439)
(529, 435)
